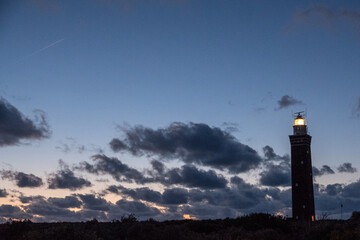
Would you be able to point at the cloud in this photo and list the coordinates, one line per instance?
(137, 208)
(277, 169)
(28, 199)
(187, 175)
(117, 145)
(92, 202)
(193, 143)
(241, 196)
(356, 109)
(22, 179)
(70, 146)
(287, 101)
(276, 175)
(328, 199)
(190, 176)
(14, 126)
(169, 196)
(9, 211)
(65, 179)
(347, 167)
(145, 193)
(3, 193)
(49, 211)
(352, 190)
(270, 155)
(115, 168)
(175, 196)
(333, 189)
(325, 16)
(325, 169)
(158, 166)
(67, 202)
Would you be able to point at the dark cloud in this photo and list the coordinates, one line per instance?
(175, 196)
(189, 176)
(145, 193)
(352, 190)
(92, 202)
(333, 189)
(117, 145)
(325, 169)
(277, 170)
(137, 208)
(193, 143)
(67, 202)
(330, 198)
(22, 179)
(49, 211)
(3, 193)
(14, 126)
(270, 155)
(29, 199)
(158, 166)
(55, 209)
(347, 167)
(9, 211)
(287, 101)
(169, 196)
(64, 178)
(115, 168)
(241, 196)
(276, 175)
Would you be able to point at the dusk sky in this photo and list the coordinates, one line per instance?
(173, 109)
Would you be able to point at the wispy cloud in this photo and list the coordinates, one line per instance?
(356, 109)
(325, 16)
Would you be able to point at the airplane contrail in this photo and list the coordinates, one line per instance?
(43, 49)
(33, 53)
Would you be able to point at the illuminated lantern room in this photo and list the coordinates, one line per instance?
(300, 127)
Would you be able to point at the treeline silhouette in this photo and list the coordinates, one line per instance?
(254, 226)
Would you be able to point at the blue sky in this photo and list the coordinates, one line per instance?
(97, 67)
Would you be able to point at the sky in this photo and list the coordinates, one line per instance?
(173, 109)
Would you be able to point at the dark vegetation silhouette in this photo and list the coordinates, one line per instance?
(253, 226)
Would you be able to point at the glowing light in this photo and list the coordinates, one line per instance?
(312, 218)
(188, 216)
(280, 214)
(299, 121)
(75, 209)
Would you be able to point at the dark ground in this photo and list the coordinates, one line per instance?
(255, 226)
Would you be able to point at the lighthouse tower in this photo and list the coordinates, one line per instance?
(301, 172)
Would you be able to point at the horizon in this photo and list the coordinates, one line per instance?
(175, 109)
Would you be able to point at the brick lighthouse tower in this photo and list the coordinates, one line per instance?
(301, 172)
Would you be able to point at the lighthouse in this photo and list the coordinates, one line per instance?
(303, 208)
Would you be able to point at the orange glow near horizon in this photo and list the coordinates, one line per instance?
(188, 216)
